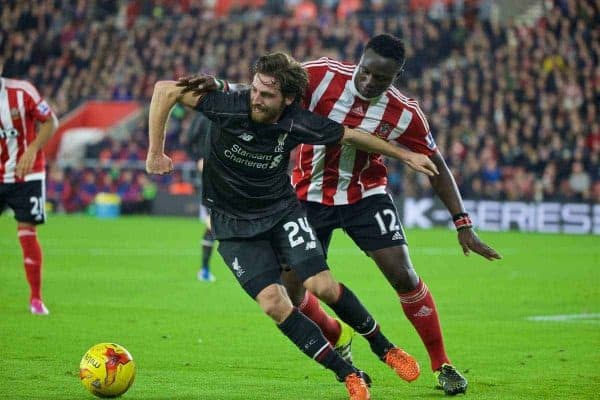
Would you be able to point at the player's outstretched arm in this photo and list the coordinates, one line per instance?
(26, 161)
(202, 83)
(165, 95)
(373, 144)
(447, 190)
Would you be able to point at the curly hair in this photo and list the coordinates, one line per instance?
(387, 46)
(292, 78)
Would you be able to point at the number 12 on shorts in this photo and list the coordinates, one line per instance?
(392, 222)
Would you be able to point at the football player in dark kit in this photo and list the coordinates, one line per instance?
(255, 214)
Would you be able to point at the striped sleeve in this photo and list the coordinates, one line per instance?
(416, 132)
(35, 105)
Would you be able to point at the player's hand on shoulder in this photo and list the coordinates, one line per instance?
(158, 164)
(469, 241)
(198, 84)
(421, 163)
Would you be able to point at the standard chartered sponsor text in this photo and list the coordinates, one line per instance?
(241, 156)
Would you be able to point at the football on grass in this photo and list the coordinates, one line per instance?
(107, 370)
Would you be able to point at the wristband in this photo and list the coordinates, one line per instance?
(220, 84)
(462, 221)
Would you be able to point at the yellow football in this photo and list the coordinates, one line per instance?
(107, 370)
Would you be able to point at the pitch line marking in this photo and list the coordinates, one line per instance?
(589, 318)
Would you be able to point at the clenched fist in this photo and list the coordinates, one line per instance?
(159, 164)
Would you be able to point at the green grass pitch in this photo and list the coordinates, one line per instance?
(132, 281)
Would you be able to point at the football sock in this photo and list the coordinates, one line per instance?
(311, 307)
(207, 248)
(352, 312)
(32, 259)
(419, 307)
(307, 337)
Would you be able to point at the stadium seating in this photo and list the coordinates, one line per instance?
(513, 107)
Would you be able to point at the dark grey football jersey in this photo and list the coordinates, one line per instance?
(245, 173)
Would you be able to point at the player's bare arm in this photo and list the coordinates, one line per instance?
(373, 144)
(165, 95)
(25, 163)
(447, 190)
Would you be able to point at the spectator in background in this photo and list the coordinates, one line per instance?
(130, 193)
(179, 186)
(107, 183)
(57, 189)
(579, 182)
(305, 11)
(347, 7)
(149, 192)
(87, 189)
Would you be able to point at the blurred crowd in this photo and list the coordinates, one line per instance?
(514, 108)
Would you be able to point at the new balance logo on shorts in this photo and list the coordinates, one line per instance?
(239, 271)
(397, 236)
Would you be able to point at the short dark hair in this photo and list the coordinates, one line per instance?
(292, 78)
(387, 46)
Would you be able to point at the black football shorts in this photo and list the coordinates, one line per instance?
(257, 261)
(26, 199)
(373, 223)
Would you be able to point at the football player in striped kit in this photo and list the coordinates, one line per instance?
(22, 171)
(256, 215)
(344, 187)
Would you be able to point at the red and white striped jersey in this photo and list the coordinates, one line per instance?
(339, 174)
(20, 107)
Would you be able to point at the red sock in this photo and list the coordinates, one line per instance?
(419, 307)
(311, 307)
(32, 259)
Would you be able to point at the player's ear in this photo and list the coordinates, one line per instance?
(288, 100)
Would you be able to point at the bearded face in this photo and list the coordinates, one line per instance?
(266, 100)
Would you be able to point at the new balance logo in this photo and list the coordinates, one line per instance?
(237, 268)
(397, 236)
(424, 311)
(246, 137)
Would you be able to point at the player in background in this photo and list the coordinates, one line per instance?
(208, 243)
(199, 135)
(22, 171)
(255, 214)
(343, 187)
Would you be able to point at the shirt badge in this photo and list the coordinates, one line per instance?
(14, 113)
(383, 130)
(280, 143)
